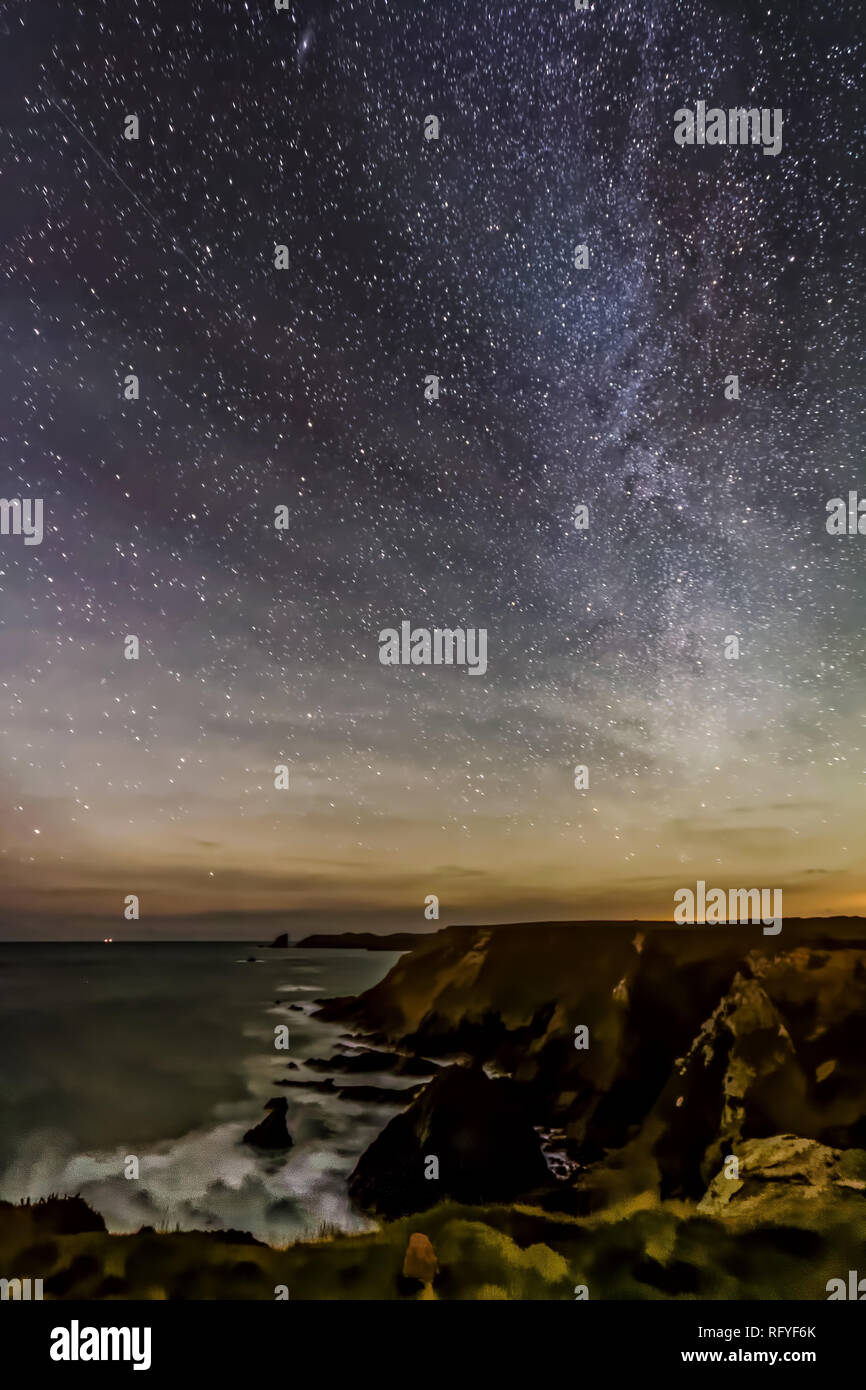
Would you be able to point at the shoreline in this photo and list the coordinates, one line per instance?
(635, 1063)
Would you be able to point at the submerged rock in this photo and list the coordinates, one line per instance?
(271, 1133)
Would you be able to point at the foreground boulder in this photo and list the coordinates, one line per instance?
(271, 1133)
(474, 1130)
(773, 1170)
(420, 1262)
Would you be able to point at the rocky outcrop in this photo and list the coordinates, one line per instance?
(381, 1095)
(466, 1137)
(271, 1133)
(780, 1055)
(770, 1171)
(698, 1039)
(740, 1071)
(328, 1084)
(369, 1059)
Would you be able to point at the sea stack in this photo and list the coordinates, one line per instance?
(271, 1133)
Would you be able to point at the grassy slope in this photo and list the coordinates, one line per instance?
(483, 1253)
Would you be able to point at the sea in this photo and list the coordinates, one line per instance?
(164, 1053)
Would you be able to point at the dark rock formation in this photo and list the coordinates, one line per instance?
(368, 1059)
(324, 1063)
(475, 1128)
(700, 1039)
(416, 1066)
(781, 1054)
(388, 1095)
(281, 940)
(326, 1085)
(271, 1133)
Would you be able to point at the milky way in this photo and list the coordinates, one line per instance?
(305, 387)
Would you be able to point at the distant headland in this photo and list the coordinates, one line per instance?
(365, 940)
(354, 941)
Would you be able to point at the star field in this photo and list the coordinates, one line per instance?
(305, 388)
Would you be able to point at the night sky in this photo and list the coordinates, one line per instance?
(305, 387)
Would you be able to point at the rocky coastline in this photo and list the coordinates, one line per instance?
(635, 1109)
(643, 1056)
